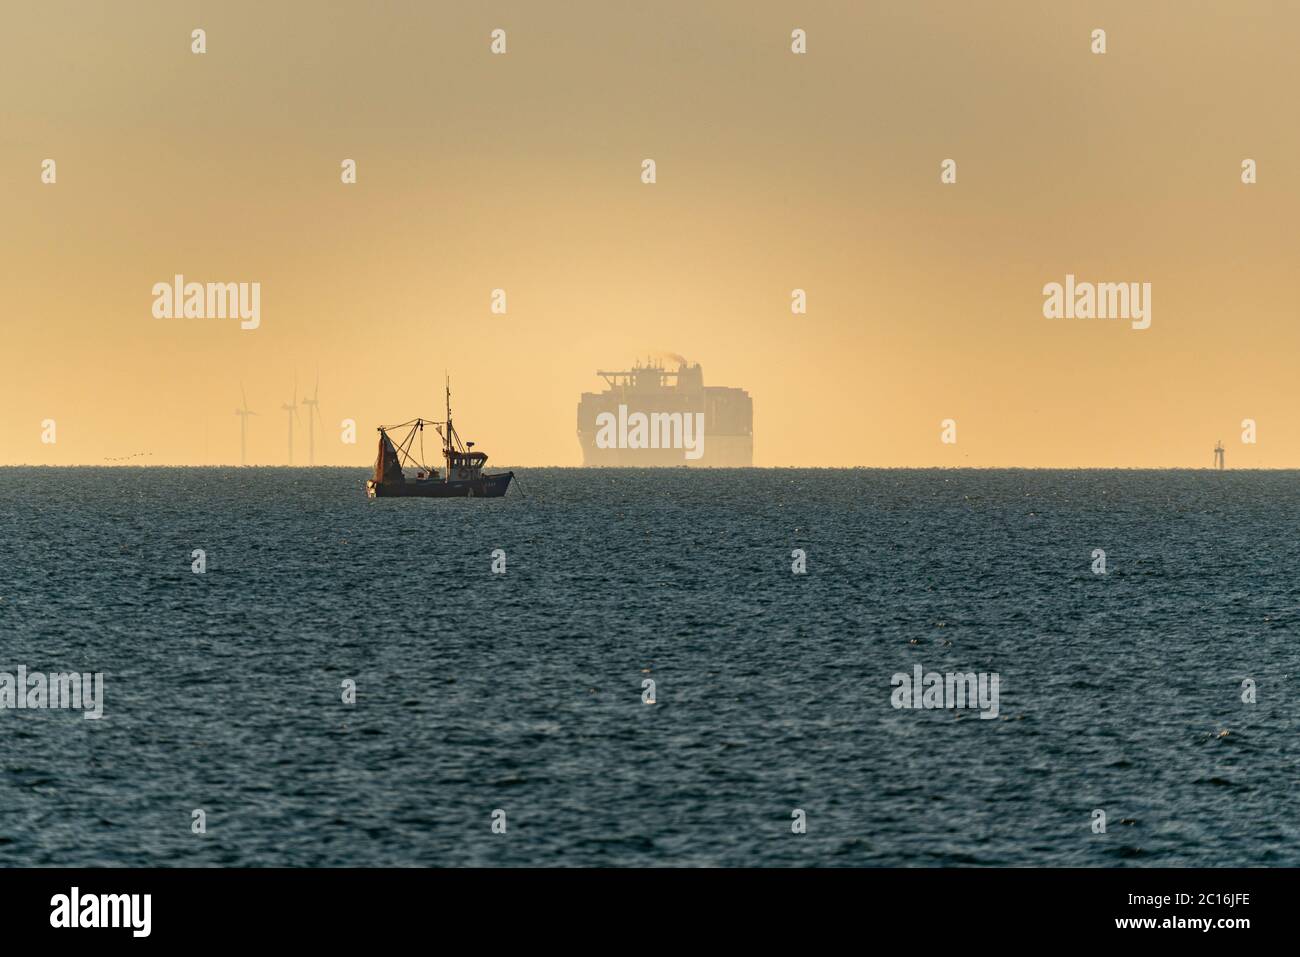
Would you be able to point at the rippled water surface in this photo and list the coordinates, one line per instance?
(523, 691)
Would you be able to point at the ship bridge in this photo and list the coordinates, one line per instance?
(653, 377)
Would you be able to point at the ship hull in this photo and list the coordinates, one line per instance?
(488, 486)
(721, 451)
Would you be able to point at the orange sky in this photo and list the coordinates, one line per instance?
(775, 172)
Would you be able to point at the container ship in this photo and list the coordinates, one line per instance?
(652, 416)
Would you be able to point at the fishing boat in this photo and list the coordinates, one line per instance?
(463, 476)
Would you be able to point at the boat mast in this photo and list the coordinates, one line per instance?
(446, 451)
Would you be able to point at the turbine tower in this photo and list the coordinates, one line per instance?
(1218, 455)
(292, 409)
(313, 412)
(243, 414)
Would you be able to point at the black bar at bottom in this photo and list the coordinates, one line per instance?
(651, 906)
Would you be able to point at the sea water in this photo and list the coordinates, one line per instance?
(500, 704)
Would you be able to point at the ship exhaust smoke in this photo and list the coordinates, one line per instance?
(680, 360)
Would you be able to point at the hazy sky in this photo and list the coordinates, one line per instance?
(775, 171)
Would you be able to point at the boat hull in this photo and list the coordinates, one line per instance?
(487, 486)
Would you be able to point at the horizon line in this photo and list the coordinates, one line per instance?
(695, 468)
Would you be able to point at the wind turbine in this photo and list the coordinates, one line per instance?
(292, 409)
(312, 412)
(243, 414)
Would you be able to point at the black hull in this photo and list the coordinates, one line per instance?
(489, 486)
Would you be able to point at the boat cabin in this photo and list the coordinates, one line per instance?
(464, 466)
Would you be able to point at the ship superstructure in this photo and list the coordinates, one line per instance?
(650, 415)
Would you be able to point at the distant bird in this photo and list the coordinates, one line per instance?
(292, 409)
(243, 414)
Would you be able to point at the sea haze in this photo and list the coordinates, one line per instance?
(523, 692)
